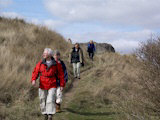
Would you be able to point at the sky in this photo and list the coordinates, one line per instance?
(122, 23)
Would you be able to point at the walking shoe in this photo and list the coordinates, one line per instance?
(45, 117)
(58, 108)
(49, 117)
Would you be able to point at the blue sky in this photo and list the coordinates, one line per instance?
(122, 23)
(29, 8)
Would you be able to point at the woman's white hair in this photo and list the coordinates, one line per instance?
(49, 51)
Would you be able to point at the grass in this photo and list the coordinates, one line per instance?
(92, 98)
(21, 47)
(86, 107)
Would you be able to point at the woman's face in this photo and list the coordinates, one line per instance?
(56, 57)
(77, 46)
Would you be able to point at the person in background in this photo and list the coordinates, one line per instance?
(76, 58)
(91, 49)
(58, 91)
(69, 40)
(48, 69)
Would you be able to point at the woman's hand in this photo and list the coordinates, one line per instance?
(61, 88)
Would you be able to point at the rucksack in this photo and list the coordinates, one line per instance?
(65, 71)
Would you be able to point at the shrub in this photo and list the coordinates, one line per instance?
(149, 78)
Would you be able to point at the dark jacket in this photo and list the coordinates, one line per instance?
(65, 73)
(91, 48)
(76, 56)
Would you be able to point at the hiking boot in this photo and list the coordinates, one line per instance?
(79, 78)
(75, 77)
(49, 117)
(58, 108)
(45, 117)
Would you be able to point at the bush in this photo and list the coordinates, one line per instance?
(149, 78)
(138, 96)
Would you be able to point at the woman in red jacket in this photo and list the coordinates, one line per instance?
(48, 70)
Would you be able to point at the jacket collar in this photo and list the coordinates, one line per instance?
(53, 62)
(75, 48)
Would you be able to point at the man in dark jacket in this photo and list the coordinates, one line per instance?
(76, 58)
(91, 49)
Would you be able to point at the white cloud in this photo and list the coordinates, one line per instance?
(35, 21)
(53, 24)
(143, 13)
(11, 15)
(125, 46)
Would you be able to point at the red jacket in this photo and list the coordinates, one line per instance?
(49, 75)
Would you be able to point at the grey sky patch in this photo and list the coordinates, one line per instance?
(143, 13)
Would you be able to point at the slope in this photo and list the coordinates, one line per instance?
(21, 47)
(93, 97)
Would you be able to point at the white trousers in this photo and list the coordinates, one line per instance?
(76, 69)
(47, 101)
(58, 96)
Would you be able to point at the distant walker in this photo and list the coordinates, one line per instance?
(91, 49)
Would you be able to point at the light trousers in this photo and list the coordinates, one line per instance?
(58, 96)
(47, 101)
(76, 69)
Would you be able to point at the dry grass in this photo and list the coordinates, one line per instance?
(109, 82)
(133, 84)
(140, 93)
(117, 80)
(21, 47)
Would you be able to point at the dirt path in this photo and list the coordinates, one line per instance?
(69, 95)
(71, 105)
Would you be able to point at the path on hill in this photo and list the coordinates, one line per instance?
(71, 106)
(69, 95)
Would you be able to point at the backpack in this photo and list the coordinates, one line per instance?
(65, 71)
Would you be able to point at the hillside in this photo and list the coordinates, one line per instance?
(107, 89)
(96, 95)
(21, 47)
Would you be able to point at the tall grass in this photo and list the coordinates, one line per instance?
(21, 47)
(139, 94)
